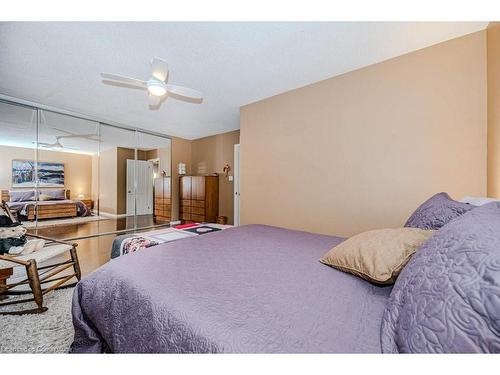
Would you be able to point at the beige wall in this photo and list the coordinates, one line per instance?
(77, 167)
(362, 150)
(165, 156)
(493, 33)
(209, 155)
(181, 153)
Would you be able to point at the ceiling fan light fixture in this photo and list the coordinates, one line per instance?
(157, 88)
(156, 85)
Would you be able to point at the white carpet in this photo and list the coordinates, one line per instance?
(48, 332)
(56, 222)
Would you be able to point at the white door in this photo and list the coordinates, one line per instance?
(236, 185)
(140, 182)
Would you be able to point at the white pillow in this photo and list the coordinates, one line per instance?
(478, 201)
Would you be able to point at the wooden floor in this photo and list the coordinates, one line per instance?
(94, 252)
(95, 227)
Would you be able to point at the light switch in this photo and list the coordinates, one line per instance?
(230, 178)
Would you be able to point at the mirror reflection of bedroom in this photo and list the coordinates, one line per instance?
(69, 177)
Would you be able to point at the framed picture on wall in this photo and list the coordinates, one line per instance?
(49, 174)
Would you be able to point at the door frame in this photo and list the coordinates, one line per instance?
(236, 184)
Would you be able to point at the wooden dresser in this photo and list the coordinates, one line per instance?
(163, 205)
(199, 199)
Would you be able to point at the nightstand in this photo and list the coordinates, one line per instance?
(88, 202)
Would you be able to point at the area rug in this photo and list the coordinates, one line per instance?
(56, 222)
(48, 332)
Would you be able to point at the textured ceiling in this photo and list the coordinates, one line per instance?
(233, 64)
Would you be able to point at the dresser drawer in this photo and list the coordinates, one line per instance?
(163, 219)
(196, 203)
(162, 200)
(198, 218)
(166, 212)
(198, 210)
(161, 206)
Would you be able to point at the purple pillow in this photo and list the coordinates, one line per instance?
(21, 195)
(436, 212)
(56, 194)
(447, 298)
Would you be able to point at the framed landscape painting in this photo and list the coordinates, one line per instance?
(49, 174)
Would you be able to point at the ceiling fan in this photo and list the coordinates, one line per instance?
(156, 85)
(58, 145)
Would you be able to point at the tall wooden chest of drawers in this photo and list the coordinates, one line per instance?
(199, 199)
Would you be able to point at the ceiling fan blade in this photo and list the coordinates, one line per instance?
(62, 131)
(159, 69)
(90, 137)
(51, 145)
(126, 80)
(156, 101)
(184, 92)
(71, 148)
(40, 143)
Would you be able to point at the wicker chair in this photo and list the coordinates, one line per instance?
(34, 276)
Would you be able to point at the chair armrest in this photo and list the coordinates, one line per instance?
(14, 260)
(51, 239)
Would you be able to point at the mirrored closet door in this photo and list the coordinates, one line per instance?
(72, 177)
(153, 179)
(18, 160)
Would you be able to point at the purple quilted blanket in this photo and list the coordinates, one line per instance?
(251, 289)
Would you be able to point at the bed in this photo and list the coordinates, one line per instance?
(62, 207)
(251, 289)
(127, 243)
(262, 289)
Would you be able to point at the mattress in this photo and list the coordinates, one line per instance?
(250, 289)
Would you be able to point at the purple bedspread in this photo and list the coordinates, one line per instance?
(251, 289)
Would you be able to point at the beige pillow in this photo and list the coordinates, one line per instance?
(377, 255)
(45, 197)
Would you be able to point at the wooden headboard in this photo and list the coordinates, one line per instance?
(6, 196)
